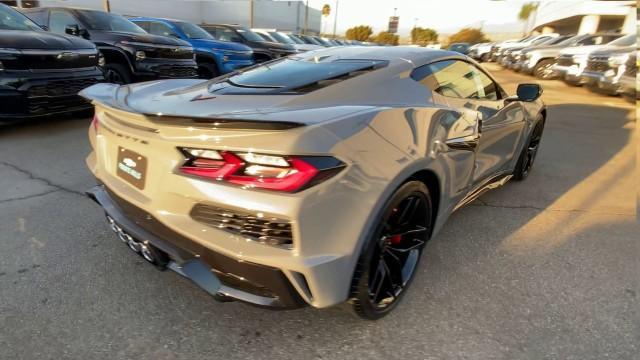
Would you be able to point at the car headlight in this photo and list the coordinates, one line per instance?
(1, 66)
(618, 60)
(225, 58)
(101, 61)
(8, 54)
(140, 55)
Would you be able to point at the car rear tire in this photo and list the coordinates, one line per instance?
(529, 152)
(116, 73)
(390, 257)
(542, 70)
(207, 71)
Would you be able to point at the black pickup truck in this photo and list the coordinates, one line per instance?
(41, 73)
(130, 53)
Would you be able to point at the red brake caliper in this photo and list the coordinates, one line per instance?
(395, 239)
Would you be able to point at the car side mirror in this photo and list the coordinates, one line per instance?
(44, 27)
(72, 30)
(526, 93)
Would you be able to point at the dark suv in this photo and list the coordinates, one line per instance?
(41, 73)
(130, 53)
(262, 50)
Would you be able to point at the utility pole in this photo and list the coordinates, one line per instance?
(335, 20)
(306, 18)
(251, 14)
(106, 5)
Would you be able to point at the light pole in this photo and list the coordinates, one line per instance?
(106, 5)
(335, 20)
(251, 14)
(306, 17)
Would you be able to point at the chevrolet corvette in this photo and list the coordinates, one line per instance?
(314, 179)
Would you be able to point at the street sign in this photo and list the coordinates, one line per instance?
(393, 24)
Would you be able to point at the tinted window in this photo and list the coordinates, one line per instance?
(59, 20)
(281, 38)
(248, 34)
(192, 31)
(458, 79)
(265, 37)
(39, 17)
(103, 21)
(223, 33)
(627, 40)
(158, 28)
(143, 24)
(13, 20)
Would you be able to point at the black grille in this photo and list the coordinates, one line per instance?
(177, 72)
(60, 87)
(170, 53)
(264, 229)
(598, 64)
(56, 104)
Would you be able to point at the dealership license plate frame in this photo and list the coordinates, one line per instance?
(132, 167)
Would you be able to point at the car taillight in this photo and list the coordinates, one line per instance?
(251, 170)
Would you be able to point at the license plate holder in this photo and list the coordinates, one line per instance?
(131, 167)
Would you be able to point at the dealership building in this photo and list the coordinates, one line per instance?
(584, 17)
(272, 14)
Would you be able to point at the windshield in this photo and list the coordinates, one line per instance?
(281, 38)
(558, 40)
(102, 21)
(193, 31)
(296, 39)
(627, 40)
(249, 35)
(13, 20)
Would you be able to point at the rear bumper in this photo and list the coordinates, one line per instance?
(249, 282)
(26, 94)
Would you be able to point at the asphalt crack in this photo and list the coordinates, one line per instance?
(47, 182)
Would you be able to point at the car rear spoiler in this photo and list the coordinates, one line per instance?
(115, 96)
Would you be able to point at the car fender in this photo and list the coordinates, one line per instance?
(106, 48)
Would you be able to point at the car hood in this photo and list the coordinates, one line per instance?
(307, 47)
(270, 45)
(216, 44)
(20, 39)
(581, 50)
(115, 37)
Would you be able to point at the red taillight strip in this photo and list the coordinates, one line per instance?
(290, 183)
(301, 173)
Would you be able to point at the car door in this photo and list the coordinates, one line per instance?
(463, 86)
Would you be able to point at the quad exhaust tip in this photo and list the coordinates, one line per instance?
(145, 249)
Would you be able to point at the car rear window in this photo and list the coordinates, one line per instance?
(301, 74)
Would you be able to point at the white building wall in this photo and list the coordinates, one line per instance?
(553, 11)
(281, 15)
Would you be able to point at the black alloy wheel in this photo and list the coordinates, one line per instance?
(543, 70)
(529, 152)
(389, 260)
(207, 71)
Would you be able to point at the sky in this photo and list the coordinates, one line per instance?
(446, 16)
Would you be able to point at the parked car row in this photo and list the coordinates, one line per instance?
(47, 55)
(604, 62)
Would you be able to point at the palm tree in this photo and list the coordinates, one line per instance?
(525, 12)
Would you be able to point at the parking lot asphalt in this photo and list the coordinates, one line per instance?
(542, 269)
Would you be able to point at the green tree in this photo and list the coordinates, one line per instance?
(385, 37)
(468, 35)
(525, 13)
(360, 33)
(423, 36)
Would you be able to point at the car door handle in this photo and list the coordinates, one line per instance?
(469, 142)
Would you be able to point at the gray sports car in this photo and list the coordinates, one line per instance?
(308, 180)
